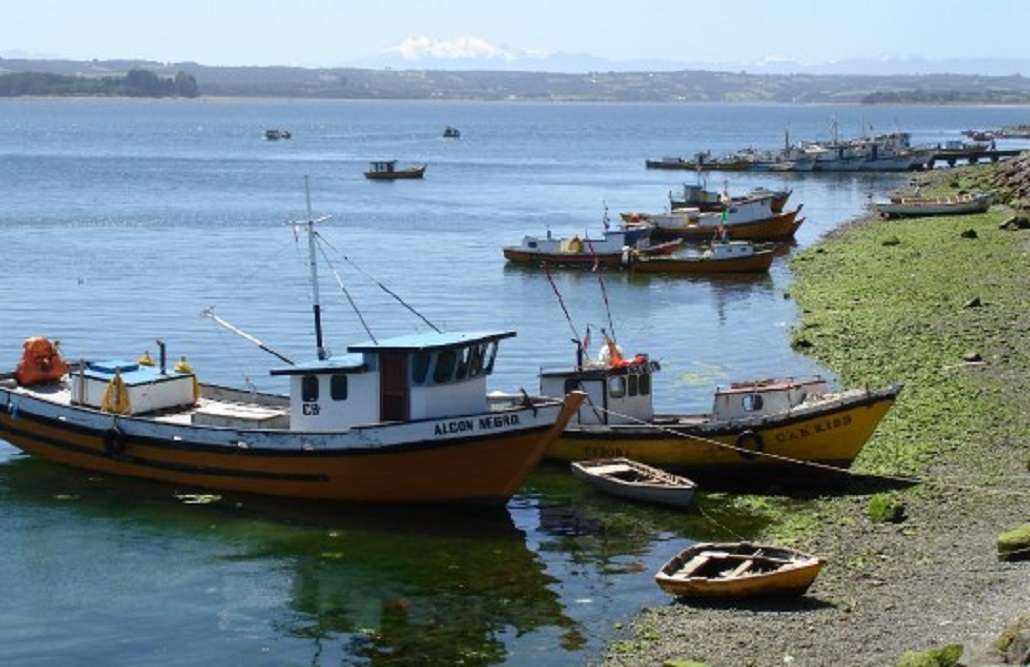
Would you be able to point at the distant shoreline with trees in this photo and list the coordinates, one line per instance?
(135, 83)
(145, 79)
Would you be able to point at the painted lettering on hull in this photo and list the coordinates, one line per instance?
(816, 428)
(471, 425)
(456, 426)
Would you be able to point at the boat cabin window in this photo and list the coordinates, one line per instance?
(454, 364)
(463, 364)
(309, 388)
(640, 385)
(617, 386)
(338, 387)
(490, 353)
(752, 402)
(420, 367)
(444, 370)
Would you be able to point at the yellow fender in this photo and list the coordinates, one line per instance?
(116, 397)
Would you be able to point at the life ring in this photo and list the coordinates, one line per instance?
(750, 444)
(114, 440)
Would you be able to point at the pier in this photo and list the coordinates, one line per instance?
(970, 155)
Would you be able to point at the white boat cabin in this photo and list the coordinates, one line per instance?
(402, 379)
(617, 393)
(729, 250)
(747, 400)
(614, 241)
(621, 393)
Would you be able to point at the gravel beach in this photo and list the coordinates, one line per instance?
(940, 305)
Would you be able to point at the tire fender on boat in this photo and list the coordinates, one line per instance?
(750, 444)
(114, 440)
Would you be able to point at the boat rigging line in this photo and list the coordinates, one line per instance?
(381, 286)
(561, 302)
(210, 312)
(600, 275)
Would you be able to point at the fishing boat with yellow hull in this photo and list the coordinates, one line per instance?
(405, 419)
(775, 426)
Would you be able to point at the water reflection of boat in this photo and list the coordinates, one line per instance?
(356, 584)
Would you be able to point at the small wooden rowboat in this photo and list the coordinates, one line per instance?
(738, 570)
(911, 207)
(636, 481)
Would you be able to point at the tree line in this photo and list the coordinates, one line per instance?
(136, 83)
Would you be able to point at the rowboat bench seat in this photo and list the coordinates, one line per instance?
(613, 469)
(741, 569)
(693, 565)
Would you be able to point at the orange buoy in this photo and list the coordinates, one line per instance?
(40, 362)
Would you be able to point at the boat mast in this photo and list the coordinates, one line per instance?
(313, 263)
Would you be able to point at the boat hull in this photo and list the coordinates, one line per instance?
(587, 259)
(916, 207)
(772, 572)
(810, 441)
(478, 467)
(399, 174)
(759, 262)
(779, 227)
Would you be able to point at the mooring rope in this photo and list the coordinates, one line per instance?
(815, 464)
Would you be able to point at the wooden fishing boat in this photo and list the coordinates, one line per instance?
(636, 481)
(719, 257)
(751, 219)
(699, 197)
(734, 570)
(404, 419)
(910, 207)
(612, 248)
(701, 162)
(782, 429)
(386, 170)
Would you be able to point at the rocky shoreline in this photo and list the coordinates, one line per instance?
(940, 305)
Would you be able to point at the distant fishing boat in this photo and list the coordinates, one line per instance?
(386, 170)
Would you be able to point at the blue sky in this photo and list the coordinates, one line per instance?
(332, 33)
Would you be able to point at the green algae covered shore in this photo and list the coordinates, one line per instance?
(941, 305)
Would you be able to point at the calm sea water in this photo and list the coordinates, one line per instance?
(122, 221)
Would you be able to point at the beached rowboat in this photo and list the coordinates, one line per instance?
(636, 481)
(736, 570)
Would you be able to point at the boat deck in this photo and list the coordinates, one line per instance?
(211, 410)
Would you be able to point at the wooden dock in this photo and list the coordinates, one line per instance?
(969, 155)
